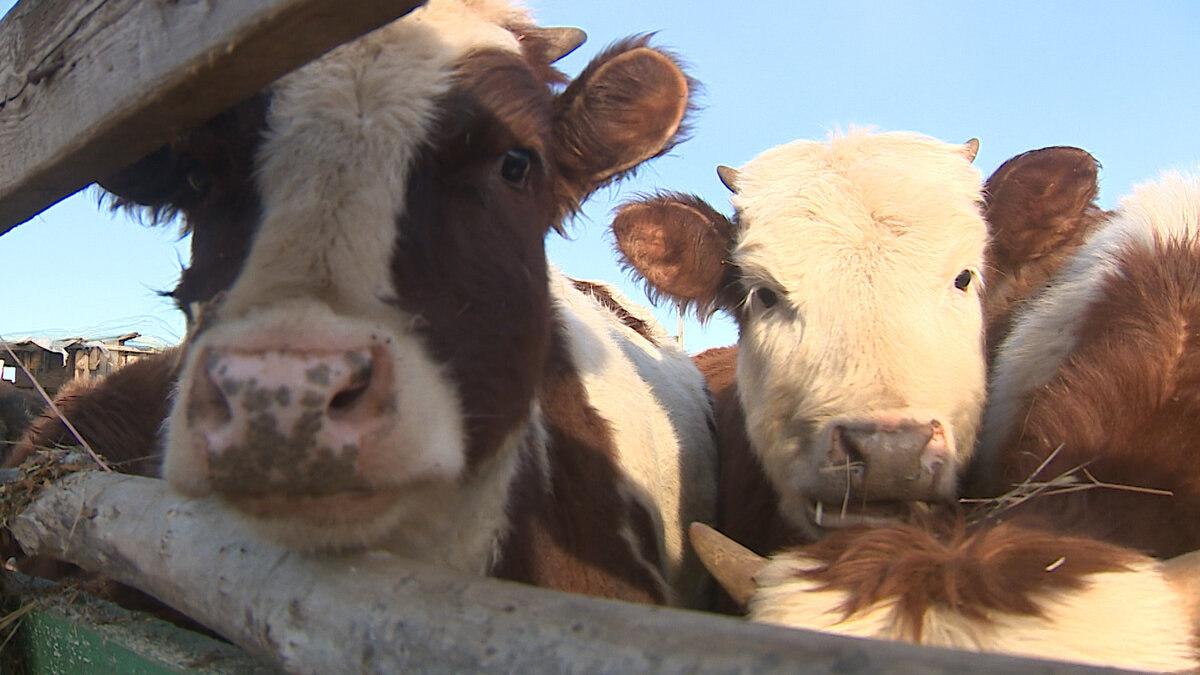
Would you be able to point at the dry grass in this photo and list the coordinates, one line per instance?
(23, 484)
(1072, 480)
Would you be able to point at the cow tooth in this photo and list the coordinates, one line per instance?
(818, 511)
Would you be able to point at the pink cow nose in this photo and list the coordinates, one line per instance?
(871, 460)
(291, 422)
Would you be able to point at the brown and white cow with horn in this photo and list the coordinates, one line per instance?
(379, 353)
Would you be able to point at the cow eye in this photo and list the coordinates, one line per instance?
(515, 166)
(963, 280)
(766, 296)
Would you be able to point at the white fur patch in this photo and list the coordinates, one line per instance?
(861, 238)
(654, 400)
(1121, 619)
(1044, 333)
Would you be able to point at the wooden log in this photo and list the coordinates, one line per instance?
(373, 612)
(90, 86)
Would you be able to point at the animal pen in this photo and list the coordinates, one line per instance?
(90, 86)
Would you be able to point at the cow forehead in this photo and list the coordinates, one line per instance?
(341, 137)
(876, 202)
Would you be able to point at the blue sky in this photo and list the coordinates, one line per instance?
(1119, 79)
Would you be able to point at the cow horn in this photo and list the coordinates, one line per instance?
(560, 40)
(971, 149)
(730, 563)
(1183, 574)
(728, 176)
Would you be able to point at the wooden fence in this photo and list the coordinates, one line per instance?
(89, 86)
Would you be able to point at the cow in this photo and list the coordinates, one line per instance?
(1089, 553)
(1101, 370)
(852, 270)
(379, 354)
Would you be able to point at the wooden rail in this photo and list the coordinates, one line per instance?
(90, 86)
(379, 613)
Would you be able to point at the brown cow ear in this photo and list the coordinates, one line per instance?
(679, 245)
(626, 107)
(1040, 208)
(1035, 203)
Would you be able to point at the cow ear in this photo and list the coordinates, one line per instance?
(1040, 207)
(1035, 201)
(626, 107)
(158, 181)
(679, 245)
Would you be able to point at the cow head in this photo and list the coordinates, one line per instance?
(852, 270)
(368, 293)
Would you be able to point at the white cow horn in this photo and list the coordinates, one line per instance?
(562, 40)
(728, 176)
(971, 149)
(730, 563)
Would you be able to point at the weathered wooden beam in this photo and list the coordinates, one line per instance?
(90, 86)
(378, 613)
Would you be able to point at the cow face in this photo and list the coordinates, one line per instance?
(370, 326)
(852, 269)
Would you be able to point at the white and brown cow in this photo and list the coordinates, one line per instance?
(1098, 371)
(852, 270)
(379, 353)
(1102, 369)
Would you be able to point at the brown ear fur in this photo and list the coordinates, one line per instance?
(679, 245)
(626, 107)
(1040, 208)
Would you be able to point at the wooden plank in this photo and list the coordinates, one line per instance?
(379, 613)
(90, 86)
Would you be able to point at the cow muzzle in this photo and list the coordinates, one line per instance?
(289, 422)
(875, 460)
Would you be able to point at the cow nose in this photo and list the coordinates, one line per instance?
(904, 461)
(299, 418)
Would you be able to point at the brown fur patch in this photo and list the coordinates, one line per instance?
(941, 563)
(119, 416)
(1125, 403)
(470, 257)
(566, 538)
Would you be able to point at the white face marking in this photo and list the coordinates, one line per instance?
(860, 241)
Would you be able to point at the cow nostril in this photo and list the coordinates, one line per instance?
(845, 455)
(208, 400)
(355, 388)
(345, 399)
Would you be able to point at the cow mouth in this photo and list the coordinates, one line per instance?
(331, 509)
(870, 513)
